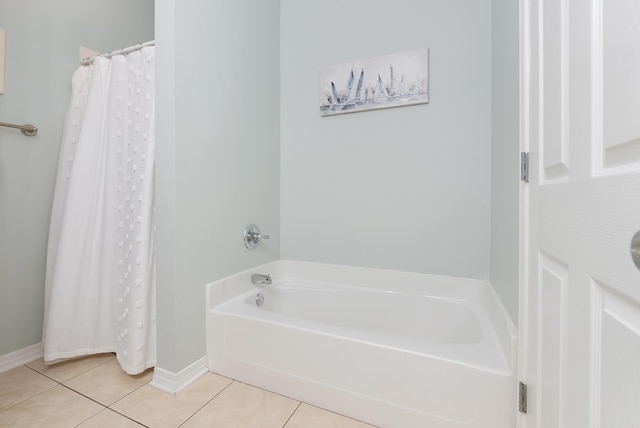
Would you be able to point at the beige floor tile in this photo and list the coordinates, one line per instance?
(156, 408)
(107, 383)
(57, 407)
(65, 370)
(21, 383)
(244, 406)
(307, 416)
(109, 418)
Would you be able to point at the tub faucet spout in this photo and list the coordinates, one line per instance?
(260, 279)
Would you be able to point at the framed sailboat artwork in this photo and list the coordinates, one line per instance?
(394, 80)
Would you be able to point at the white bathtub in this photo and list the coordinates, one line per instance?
(393, 349)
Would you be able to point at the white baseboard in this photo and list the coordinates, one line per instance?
(20, 357)
(170, 382)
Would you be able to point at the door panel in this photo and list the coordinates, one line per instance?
(555, 88)
(617, 65)
(620, 37)
(552, 319)
(616, 351)
(581, 299)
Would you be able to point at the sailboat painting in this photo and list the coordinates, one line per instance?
(394, 80)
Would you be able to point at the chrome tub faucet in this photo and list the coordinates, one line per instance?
(261, 280)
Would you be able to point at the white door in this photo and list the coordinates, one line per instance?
(580, 307)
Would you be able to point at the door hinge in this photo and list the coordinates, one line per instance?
(524, 167)
(522, 397)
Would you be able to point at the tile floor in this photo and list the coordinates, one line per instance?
(94, 392)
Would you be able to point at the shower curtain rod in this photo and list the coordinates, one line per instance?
(123, 51)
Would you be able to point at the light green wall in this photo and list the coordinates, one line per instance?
(42, 39)
(420, 188)
(406, 188)
(218, 156)
(165, 184)
(505, 149)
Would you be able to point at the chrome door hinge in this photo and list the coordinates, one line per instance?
(522, 397)
(524, 167)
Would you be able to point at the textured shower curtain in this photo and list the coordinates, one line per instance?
(100, 278)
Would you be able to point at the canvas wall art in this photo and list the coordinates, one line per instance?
(399, 79)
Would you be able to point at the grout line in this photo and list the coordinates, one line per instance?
(41, 374)
(268, 391)
(104, 407)
(58, 384)
(304, 402)
(77, 425)
(292, 413)
(128, 393)
(128, 417)
(281, 395)
(209, 401)
(31, 396)
(85, 396)
(73, 377)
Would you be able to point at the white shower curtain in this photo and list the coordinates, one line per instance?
(100, 278)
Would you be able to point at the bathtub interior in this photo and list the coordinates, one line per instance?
(422, 319)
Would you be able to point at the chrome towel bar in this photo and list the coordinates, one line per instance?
(28, 130)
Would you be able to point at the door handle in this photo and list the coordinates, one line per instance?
(635, 249)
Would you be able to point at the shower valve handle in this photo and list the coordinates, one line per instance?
(252, 236)
(256, 237)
